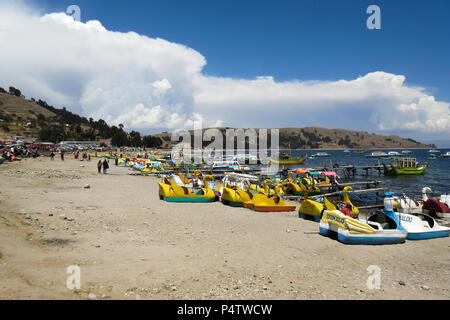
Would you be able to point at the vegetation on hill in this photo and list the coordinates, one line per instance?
(319, 138)
(31, 118)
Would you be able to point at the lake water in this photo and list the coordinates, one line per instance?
(436, 176)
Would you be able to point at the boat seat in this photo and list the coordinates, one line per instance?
(385, 225)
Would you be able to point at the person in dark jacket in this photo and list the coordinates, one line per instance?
(99, 166)
(105, 166)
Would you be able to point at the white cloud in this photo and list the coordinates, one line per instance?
(147, 83)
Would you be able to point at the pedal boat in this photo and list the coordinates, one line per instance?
(235, 196)
(380, 228)
(302, 186)
(264, 203)
(312, 210)
(172, 192)
(422, 226)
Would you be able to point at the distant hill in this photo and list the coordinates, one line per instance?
(37, 119)
(321, 138)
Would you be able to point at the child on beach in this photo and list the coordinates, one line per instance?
(99, 166)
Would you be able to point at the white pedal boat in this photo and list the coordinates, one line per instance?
(422, 226)
(377, 229)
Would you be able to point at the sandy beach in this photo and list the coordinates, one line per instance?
(131, 245)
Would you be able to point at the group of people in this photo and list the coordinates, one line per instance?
(86, 156)
(11, 153)
(103, 164)
(52, 155)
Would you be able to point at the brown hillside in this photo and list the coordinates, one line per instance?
(321, 138)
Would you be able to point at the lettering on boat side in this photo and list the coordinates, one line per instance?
(74, 279)
(405, 218)
(373, 21)
(330, 218)
(238, 309)
(374, 279)
(74, 11)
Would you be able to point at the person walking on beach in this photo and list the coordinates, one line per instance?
(62, 155)
(105, 166)
(99, 166)
(52, 156)
(117, 161)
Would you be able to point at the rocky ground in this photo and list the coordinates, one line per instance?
(128, 244)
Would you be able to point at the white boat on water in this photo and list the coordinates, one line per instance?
(446, 155)
(406, 151)
(433, 151)
(227, 164)
(394, 153)
(321, 154)
(377, 154)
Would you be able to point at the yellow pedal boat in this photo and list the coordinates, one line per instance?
(263, 203)
(313, 210)
(171, 192)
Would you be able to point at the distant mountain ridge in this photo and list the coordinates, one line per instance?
(322, 138)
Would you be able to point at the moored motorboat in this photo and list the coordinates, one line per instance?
(321, 154)
(289, 160)
(405, 166)
(446, 155)
(377, 154)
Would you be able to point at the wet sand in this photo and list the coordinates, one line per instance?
(131, 245)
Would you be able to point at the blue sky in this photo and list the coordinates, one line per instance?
(305, 40)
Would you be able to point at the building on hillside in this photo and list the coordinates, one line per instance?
(106, 142)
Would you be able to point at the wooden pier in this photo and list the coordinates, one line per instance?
(330, 194)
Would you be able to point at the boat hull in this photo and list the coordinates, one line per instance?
(308, 217)
(428, 235)
(422, 226)
(186, 199)
(272, 208)
(346, 238)
(310, 210)
(238, 204)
